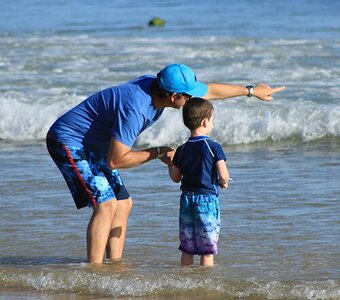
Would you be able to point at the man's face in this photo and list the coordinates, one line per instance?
(180, 99)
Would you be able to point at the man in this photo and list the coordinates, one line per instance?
(93, 140)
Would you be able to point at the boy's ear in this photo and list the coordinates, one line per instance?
(204, 122)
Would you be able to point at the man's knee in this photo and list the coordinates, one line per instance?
(125, 205)
(108, 207)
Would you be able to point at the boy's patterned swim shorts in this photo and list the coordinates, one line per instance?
(199, 223)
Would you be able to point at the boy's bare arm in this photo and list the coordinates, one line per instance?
(223, 173)
(175, 173)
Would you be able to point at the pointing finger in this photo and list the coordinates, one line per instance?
(278, 89)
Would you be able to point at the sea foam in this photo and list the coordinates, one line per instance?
(236, 121)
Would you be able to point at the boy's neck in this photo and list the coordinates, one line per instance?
(200, 131)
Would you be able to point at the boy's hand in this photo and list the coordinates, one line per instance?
(223, 186)
(167, 154)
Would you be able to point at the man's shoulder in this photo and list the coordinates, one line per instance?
(142, 80)
(135, 94)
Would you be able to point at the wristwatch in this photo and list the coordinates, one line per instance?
(159, 154)
(250, 90)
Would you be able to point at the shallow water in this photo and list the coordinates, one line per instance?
(279, 236)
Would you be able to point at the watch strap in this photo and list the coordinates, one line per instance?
(250, 89)
(159, 154)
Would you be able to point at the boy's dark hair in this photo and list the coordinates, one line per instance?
(195, 110)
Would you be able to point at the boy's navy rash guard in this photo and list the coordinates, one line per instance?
(197, 161)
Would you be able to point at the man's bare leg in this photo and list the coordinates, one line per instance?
(98, 230)
(115, 243)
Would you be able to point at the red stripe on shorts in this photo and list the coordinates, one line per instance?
(68, 153)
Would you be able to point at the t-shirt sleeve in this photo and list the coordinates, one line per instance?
(175, 160)
(219, 153)
(127, 126)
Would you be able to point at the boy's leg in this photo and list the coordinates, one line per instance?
(98, 230)
(115, 243)
(207, 260)
(186, 231)
(187, 259)
(207, 227)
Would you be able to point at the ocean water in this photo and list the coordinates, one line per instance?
(280, 216)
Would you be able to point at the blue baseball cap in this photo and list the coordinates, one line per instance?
(178, 78)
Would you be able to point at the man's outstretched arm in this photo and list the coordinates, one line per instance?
(222, 91)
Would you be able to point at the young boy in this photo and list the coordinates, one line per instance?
(200, 166)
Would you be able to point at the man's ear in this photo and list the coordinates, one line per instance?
(174, 97)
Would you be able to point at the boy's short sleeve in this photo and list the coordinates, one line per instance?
(219, 153)
(175, 160)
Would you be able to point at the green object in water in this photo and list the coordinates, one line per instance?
(156, 22)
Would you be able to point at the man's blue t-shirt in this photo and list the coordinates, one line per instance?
(121, 112)
(197, 161)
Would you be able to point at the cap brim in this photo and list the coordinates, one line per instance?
(199, 91)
